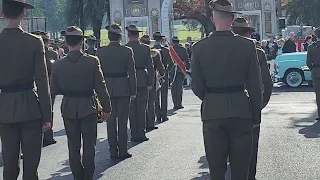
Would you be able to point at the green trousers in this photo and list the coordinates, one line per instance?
(228, 137)
(138, 109)
(177, 90)
(26, 136)
(86, 129)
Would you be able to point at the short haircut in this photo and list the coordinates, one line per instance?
(91, 42)
(12, 9)
(73, 40)
(175, 42)
(133, 34)
(113, 36)
(145, 42)
(240, 30)
(157, 38)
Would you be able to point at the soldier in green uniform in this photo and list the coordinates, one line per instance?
(91, 42)
(241, 27)
(78, 107)
(159, 73)
(162, 93)
(313, 62)
(145, 80)
(178, 76)
(227, 112)
(51, 56)
(24, 113)
(119, 71)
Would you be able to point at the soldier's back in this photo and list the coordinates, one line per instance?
(21, 63)
(223, 61)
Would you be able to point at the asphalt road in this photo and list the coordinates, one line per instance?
(289, 145)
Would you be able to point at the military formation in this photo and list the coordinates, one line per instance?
(120, 83)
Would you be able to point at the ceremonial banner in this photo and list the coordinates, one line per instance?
(175, 57)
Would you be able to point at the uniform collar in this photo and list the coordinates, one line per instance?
(13, 30)
(223, 33)
(134, 42)
(114, 43)
(75, 53)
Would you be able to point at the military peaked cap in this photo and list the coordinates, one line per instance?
(222, 6)
(158, 34)
(114, 28)
(73, 31)
(133, 28)
(175, 38)
(241, 23)
(23, 2)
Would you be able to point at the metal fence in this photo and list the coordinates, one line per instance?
(39, 23)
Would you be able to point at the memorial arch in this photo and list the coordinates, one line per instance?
(148, 15)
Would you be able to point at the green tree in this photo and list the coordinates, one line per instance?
(303, 11)
(54, 11)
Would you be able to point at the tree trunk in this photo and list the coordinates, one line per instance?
(81, 15)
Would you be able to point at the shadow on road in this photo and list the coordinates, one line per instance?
(61, 132)
(172, 112)
(310, 128)
(102, 161)
(285, 88)
(204, 165)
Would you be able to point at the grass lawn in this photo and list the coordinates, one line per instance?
(182, 33)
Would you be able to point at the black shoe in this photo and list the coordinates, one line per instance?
(21, 156)
(48, 143)
(151, 128)
(165, 119)
(143, 139)
(178, 107)
(100, 121)
(126, 156)
(318, 118)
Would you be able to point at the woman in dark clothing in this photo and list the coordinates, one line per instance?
(307, 42)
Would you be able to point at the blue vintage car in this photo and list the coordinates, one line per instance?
(291, 68)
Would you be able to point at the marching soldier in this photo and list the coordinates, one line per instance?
(228, 114)
(313, 62)
(79, 109)
(91, 42)
(159, 73)
(162, 93)
(241, 27)
(145, 80)
(50, 55)
(119, 71)
(179, 77)
(26, 113)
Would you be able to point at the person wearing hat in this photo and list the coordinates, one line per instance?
(119, 71)
(179, 77)
(241, 27)
(26, 114)
(91, 42)
(145, 83)
(78, 107)
(50, 55)
(157, 77)
(227, 112)
(313, 62)
(162, 95)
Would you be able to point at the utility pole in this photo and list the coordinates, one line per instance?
(31, 16)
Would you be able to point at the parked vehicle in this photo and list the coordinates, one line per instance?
(291, 68)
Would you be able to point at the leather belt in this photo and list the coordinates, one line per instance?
(77, 94)
(226, 90)
(115, 75)
(14, 88)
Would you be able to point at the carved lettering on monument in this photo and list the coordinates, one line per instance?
(248, 5)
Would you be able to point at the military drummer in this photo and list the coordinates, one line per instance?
(228, 114)
(26, 114)
(78, 107)
(313, 62)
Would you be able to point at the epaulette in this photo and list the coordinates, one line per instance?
(154, 52)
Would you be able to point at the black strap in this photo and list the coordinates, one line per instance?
(79, 94)
(226, 90)
(14, 88)
(115, 75)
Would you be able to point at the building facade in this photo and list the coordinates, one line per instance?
(148, 15)
(261, 14)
